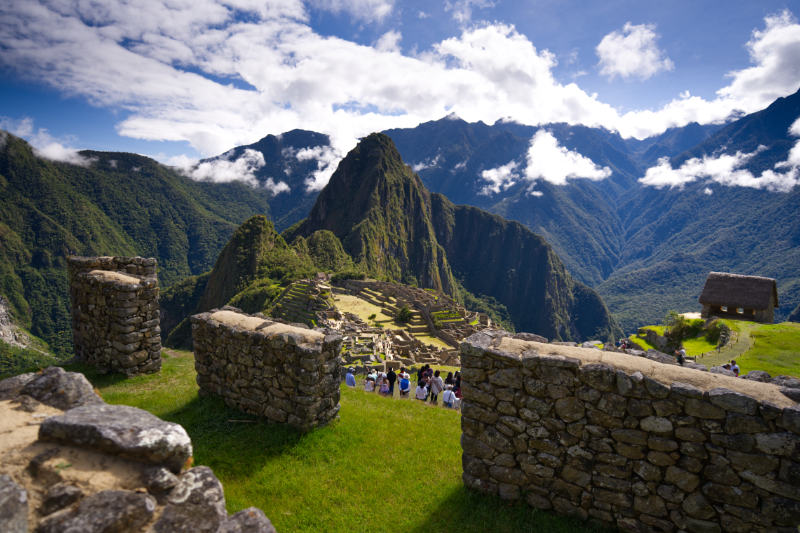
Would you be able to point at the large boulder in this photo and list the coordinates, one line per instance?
(250, 520)
(60, 389)
(196, 504)
(10, 387)
(121, 430)
(119, 511)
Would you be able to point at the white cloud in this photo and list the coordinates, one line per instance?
(632, 53)
(707, 191)
(499, 178)
(728, 170)
(389, 42)
(224, 169)
(366, 10)
(221, 75)
(462, 9)
(45, 145)
(537, 194)
(428, 163)
(327, 158)
(553, 163)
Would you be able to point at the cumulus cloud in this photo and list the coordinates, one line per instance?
(45, 145)
(632, 53)
(327, 158)
(551, 162)
(728, 170)
(499, 178)
(218, 75)
(225, 169)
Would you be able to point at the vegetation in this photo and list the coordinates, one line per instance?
(15, 360)
(119, 204)
(404, 314)
(406, 453)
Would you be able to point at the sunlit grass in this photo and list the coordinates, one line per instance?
(386, 465)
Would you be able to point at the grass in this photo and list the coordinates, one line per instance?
(386, 465)
(698, 346)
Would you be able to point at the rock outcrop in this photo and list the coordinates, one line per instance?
(70, 462)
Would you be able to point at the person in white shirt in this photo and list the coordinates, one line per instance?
(422, 391)
(369, 384)
(437, 386)
(449, 397)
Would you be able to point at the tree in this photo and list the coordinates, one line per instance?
(404, 314)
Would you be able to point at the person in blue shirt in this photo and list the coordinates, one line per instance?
(349, 378)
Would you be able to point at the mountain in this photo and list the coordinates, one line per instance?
(676, 236)
(289, 163)
(116, 204)
(250, 266)
(380, 211)
(393, 227)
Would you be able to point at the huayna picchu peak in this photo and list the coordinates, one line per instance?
(394, 227)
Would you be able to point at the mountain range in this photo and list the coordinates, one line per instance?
(644, 249)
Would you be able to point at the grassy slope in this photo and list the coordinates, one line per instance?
(385, 458)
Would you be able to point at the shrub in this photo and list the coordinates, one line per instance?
(404, 314)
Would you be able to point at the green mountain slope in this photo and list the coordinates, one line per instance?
(380, 211)
(395, 228)
(119, 204)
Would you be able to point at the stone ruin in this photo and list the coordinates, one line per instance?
(627, 441)
(115, 313)
(71, 462)
(282, 372)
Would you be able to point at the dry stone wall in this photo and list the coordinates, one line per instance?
(627, 441)
(284, 373)
(115, 313)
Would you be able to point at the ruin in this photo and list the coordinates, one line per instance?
(627, 441)
(115, 313)
(740, 297)
(281, 372)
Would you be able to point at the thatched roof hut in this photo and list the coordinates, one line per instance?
(738, 296)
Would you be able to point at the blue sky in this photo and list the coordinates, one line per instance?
(197, 77)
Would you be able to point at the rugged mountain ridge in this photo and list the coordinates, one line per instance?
(118, 204)
(389, 223)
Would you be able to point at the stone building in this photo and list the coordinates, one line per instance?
(284, 373)
(115, 313)
(741, 297)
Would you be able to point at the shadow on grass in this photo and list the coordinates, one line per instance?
(95, 378)
(466, 510)
(233, 443)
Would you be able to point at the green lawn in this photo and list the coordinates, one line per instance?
(775, 348)
(386, 465)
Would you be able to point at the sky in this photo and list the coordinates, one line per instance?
(180, 80)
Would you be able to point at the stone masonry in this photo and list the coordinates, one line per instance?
(115, 313)
(284, 373)
(627, 441)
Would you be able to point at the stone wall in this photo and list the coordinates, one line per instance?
(627, 441)
(115, 314)
(285, 373)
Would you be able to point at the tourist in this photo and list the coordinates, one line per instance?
(373, 375)
(392, 377)
(422, 391)
(449, 397)
(449, 379)
(350, 378)
(405, 383)
(384, 390)
(734, 368)
(436, 386)
(457, 386)
(369, 384)
(680, 355)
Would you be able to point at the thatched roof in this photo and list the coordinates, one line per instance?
(735, 290)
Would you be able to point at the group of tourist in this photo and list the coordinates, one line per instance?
(430, 385)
